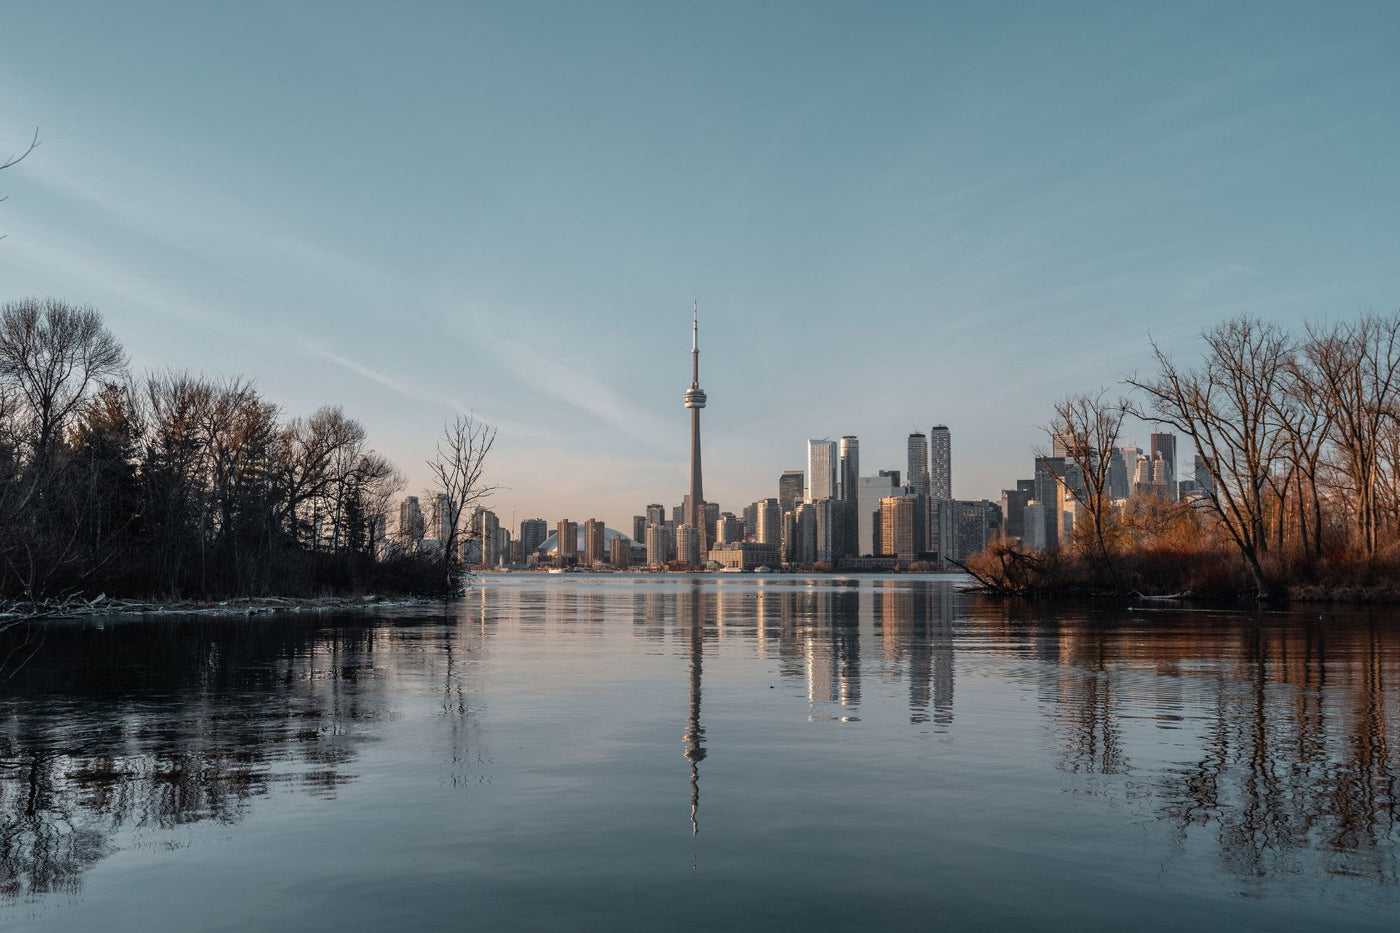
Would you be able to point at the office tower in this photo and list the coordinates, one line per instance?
(411, 524)
(656, 513)
(566, 542)
(711, 520)
(769, 527)
(828, 530)
(533, 532)
(821, 470)
(850, 468)
(788, 547)
(594, 543)
(728, 528)
(790, 486)
(916, 473)
(678, 512)
(694, 401)
(688, 545)
(620, 553)
(1050, 495)
(1164, 446)
(1118, 485)
(751, 522)
(898, 531)
(1204, 481)
(869, 491)
(639, 528)
(940, 472)
(1013, 511)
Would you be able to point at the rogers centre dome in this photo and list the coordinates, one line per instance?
(551, 544)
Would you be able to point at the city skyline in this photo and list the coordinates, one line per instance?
(510, 215)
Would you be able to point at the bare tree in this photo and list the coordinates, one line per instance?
(1227, 407)
(1089, 424)
(16, 159)
(54, 353)
(459, 471)
(1355, 370)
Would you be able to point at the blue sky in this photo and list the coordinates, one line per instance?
(892, 215)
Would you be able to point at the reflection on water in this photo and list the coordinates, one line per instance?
(1263, 744)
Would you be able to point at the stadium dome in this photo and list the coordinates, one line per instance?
(551, 544)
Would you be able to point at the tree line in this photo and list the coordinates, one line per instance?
(1298, 434)
(171, 484)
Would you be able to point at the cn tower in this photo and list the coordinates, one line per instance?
(695, 400)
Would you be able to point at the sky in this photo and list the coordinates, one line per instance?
(891, 215)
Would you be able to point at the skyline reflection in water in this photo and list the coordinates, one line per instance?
(1236, 766)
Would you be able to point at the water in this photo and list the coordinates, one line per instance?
(735, 752)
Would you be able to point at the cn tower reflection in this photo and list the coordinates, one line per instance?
(695, 733)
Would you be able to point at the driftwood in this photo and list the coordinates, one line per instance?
(72, 607)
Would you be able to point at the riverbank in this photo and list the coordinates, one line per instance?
(78, 608)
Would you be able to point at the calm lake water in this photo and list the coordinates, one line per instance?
(726, 752)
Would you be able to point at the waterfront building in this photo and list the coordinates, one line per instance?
(566, 542)
(533, 531)
(804, 534)
(620, 555)
(711, 520)
(728, 529)
(965, 528)
(744, 555)
(788, 548)
(594, 543)
(695, 400)
(484, 534)
(898, 528)
(769, 525)
(828, 529)
(639, 527)
(869, 491)
(790, 486)
(688, 545)
(659, 541)
(940, 471)
(751, 521)
(656, 513)
(821, 470)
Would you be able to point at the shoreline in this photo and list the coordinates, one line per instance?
(15, 612)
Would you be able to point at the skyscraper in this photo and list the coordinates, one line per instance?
(790, 485)
(566, 542)
(770, 522)
(695, 400)
(850, 468)
(821, 469)
(916, 473)
(940, 473)
(533, 531)
(594, 543)
(868, 495)
(1164, 446)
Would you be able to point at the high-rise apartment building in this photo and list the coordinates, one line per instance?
(769, 528)
(620, 553)
(688, 545)
(822, 466)
(729, 528)
(850, 469)
(595, 552)
(411, 523)
(639, 528)
(441, 527)
(656, 513)
(898, 527)
(566, 542)
(940, 471)
(659, 541)
(790, 486)
(533, 532)
(483, 546)
(916, 472)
